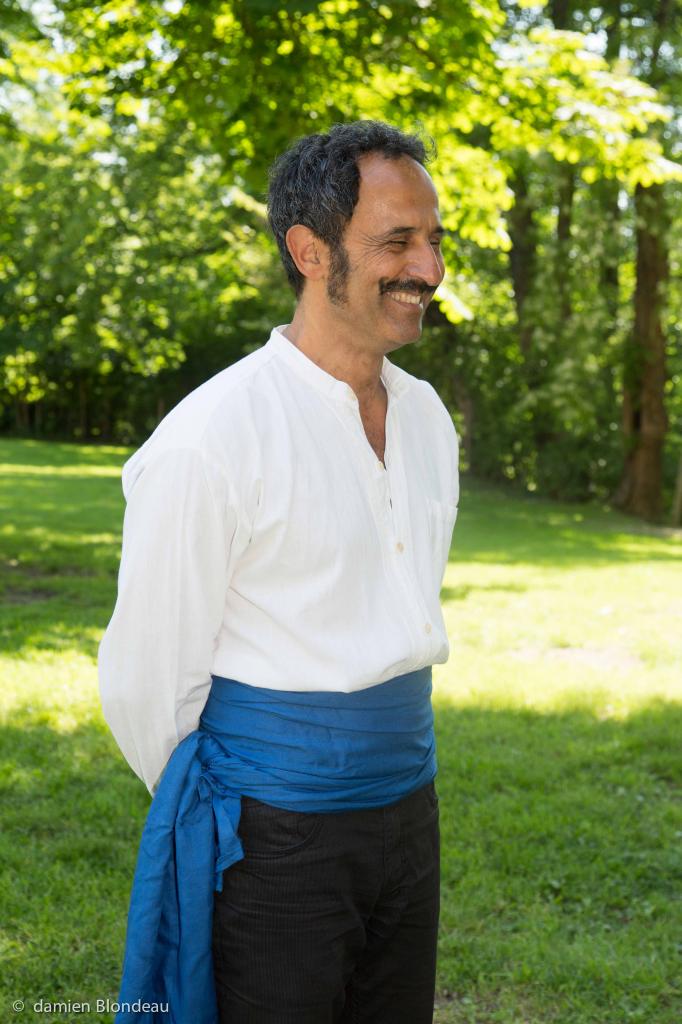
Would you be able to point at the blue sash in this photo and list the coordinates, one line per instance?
(319, 752)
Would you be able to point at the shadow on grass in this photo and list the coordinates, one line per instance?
(53, 453)
(561, 865)
(495, 527)
(64, 521)
(60, 521)
(71, 819)
(43, 612)
(558, 850)
(462, 592)
(59, 548)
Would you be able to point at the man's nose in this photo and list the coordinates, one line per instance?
(426, 263)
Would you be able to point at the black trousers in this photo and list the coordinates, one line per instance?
(330, 918)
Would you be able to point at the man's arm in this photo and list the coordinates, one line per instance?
(156, 654)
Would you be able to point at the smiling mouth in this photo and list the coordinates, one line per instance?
(407, 299)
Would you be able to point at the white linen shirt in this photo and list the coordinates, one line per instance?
(265, 542)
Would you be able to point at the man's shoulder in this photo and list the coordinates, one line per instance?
(423, 397)
(197, 408)
(188, 427)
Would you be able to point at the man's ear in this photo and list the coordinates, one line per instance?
(307, 251)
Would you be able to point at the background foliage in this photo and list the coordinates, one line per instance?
(135, 137)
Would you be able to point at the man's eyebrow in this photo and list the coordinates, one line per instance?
(407, 230)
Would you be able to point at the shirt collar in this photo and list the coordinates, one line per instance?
(395, 380)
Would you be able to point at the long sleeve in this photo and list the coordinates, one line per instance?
(156, 655)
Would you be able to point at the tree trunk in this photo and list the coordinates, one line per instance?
(563, 237)
(454, 390)
(677, 500)
(560, 13)
(609, 273)
(644, 418)
(466, 406)
(522, 256)
(20, 414)
(82, 407)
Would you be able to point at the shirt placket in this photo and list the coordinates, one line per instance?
(399, 555)
(387, 487)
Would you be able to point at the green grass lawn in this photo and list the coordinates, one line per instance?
(559, 719)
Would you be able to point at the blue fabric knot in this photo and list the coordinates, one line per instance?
(226, 808)
(319, 752)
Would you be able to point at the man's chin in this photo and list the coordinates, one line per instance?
(405, 337)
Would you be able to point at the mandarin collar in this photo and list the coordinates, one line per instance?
(395, 380)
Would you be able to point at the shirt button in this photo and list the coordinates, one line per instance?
(427, 627)
(400, 547)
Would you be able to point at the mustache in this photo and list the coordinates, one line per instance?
(411, 285)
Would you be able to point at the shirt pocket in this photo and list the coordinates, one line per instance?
(441, 518)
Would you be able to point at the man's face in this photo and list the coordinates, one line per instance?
(383, 275)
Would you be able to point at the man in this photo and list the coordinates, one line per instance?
(287, 529)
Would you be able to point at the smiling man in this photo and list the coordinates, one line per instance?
(267, 669)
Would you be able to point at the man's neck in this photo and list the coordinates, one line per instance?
(330, 347)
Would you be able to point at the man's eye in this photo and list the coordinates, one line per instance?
(398, 243)
(435, 242)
